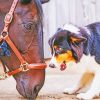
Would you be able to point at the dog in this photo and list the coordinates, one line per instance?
(70, 44)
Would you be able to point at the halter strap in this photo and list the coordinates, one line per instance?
(8, 20)
(24, 66)
(9, 16)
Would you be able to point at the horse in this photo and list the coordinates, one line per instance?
(23, 35)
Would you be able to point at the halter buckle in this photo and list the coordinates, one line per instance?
(24, 67)
(8, 18)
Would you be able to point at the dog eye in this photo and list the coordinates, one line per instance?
(60, 49)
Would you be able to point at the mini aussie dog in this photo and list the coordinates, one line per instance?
(70, 43)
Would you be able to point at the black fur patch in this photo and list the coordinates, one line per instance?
(25, 1)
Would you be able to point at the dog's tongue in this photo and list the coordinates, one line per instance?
(63, 66)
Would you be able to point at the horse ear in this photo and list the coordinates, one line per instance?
(77, 39)
(44, 1)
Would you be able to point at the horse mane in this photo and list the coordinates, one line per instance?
(39, 7)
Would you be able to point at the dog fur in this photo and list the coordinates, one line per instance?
(79, 41)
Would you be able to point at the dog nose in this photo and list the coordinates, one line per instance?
(52, 65)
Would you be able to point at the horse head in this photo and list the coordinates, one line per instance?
(26, 32)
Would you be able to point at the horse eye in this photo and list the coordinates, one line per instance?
(29, 26)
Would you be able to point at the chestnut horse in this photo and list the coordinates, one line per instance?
(26, 32)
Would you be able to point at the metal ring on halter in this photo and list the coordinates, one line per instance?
(4, 34)
(8, 18)
(24, 67)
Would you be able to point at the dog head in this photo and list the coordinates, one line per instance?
(66, 45)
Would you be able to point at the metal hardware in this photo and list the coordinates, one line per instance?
(8, 18)
(24, 67)
(4, 34)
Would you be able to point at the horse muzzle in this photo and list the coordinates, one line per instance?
(27, 92)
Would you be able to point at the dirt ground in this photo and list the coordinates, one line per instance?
(56, 81)
(56, 97)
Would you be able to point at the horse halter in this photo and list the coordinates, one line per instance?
(24, 66)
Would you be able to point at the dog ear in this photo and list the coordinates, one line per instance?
(77, 38)
(77, 45)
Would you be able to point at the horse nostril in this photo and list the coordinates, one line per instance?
(52, 65)
(36, 89)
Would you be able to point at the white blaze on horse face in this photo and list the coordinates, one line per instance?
(71, 28)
